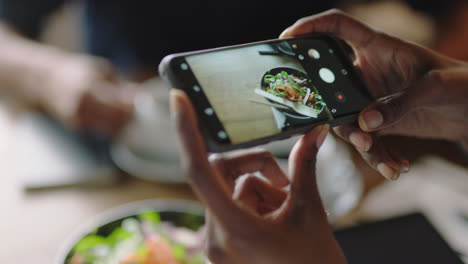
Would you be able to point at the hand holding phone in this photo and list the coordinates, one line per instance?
(262, 219)
(253, 93)
(408, 81)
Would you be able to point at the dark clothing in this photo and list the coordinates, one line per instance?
(138, 33)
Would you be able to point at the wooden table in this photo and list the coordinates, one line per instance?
(35, 225)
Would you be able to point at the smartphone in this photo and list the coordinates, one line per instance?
(250, 94)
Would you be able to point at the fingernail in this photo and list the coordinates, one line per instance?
(322, 134)
(387, 172)
(405, 166)
(175, 95)
(360, 142)
(286, 31)
(370, 120)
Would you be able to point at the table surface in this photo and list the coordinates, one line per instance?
(35, 225)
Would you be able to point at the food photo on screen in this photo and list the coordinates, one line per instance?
(292, 95)
(259, 90)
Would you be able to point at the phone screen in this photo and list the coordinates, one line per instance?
(260, 90)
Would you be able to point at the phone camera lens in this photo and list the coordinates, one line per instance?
(222, 135)
(209, 111)
(184, 66)
(314, 54)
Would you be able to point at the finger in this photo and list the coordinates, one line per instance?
(258, 195)
(304, 198)
(385, 116)
(354, 135)
(388, 164)
(234, 164)
(214, 241)
(385, 112)
(334, 22)
(206, 183)
(194, 153)
(392, 163)
(391, 109)
(302, 163)
(403, 163)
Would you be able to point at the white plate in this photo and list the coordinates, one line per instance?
(148, 146)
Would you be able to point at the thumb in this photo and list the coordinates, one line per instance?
(302, 164)
(385, 112)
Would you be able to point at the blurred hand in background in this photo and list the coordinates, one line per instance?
(87, 95)
(81, 91)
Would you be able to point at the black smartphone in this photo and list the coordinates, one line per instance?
(251, 94)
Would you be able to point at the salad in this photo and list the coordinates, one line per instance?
(294, 88)
(143, 239)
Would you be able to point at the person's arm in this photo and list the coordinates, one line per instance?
(418, 92)
(251, 219)
(24, 63)
(79, 90)
(26, 67)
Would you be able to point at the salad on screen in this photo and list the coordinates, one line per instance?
(294, 88)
